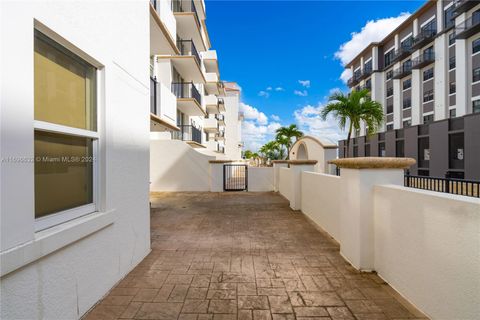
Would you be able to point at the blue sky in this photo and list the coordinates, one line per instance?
(287, 55)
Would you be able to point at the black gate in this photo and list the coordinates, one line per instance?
(235, 177)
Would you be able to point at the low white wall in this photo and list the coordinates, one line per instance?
(320, 201)
(260, 179)
(284, 185)
(427, 246)
(175, 166)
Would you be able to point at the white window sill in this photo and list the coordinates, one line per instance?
(50, 240)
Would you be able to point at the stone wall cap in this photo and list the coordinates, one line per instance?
(220, 161)
(300, 162)
(279, 161)
(373, 163)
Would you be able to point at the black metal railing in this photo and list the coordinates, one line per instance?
(153, 95)
(464, 5)
(220, 149)
(220, 117)
(402, 52)
(188, 133)
(186, 6)
(462, 30)
(187, 48)
(220, 134)
(462, 187)
(186, 90)
(423, 38)
(403, 71)
(423, 60)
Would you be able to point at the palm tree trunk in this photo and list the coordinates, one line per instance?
(348, 139)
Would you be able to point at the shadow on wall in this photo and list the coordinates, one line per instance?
(175, 166)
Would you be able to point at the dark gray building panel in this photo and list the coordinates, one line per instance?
(407, 113)
(438, 132)
(452, 100)
(476, 90)
(374, 145)
(411, 146)
(361, 147)
(472, 147)
(390, 143)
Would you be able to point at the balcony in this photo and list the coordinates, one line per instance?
(365, 73)
(423, 60)
(425, 37)
(462, 6)
(163, 108)
(469, 27)
(354, 80)
(211, 124)
(189, 100)
(403, 71)
(211, 83)
(189, 23)
(220, 136)
(163, 29)
(401, 53)
(188, 133)
(212, 104)
(221, 105)
(220, 149)
(188, 64)
(221, 119)
(210, 61)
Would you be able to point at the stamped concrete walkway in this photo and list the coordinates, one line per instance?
(244, 256)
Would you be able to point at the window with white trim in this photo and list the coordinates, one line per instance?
(65, 136)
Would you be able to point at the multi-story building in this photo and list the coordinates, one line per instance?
(187, 96)
(426, 74)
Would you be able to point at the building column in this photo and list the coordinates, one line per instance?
(397, 104)
(297, 167)
(441, 77)
(378, 93)
(358, 178)
(416, 93)
(461, 76)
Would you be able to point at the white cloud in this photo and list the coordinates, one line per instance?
(279, 89)
(303, 93)
(256, 135)
(252, 113)
(269, 88)
(275, 117)
(373, 31)
(309, 121)
(305, 83)
(264, 94)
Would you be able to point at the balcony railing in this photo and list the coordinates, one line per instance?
(186, 90)
(186, 6)
(188, 133)
(220, 149)
(220, 134)
(401, 53)
(464, 5)
(220, 117)
(187, 48)
(403, 71)
(468, 27)
(153, 95)
(423, 38)
(423, 60)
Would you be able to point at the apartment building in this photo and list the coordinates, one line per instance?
(426, 74)
(187, 95)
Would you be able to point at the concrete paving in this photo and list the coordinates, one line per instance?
(244, 256)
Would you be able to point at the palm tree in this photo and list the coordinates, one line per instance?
(285, 135)
(353, 108)
(270, 150)
(282, 141)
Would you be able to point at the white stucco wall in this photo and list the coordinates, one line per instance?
(427, 246)
(260, 179)
(284, 185)
(232, 127)
(73, 265)
(315, 150)
(175, 166)
(320, 201)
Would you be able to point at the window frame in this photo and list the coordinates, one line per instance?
(475, 48)
(53, 219)
(476, 72)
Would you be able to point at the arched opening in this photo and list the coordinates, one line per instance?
(302, 152)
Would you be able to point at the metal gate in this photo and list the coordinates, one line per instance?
(235, 177)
